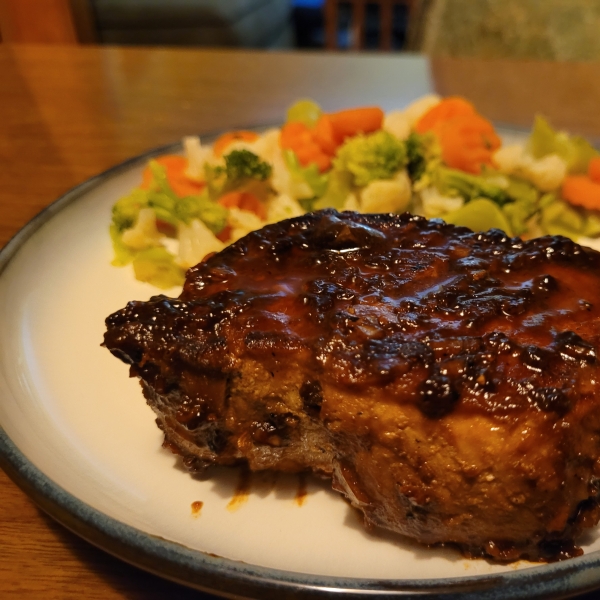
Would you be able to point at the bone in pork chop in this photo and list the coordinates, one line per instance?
(446, 380)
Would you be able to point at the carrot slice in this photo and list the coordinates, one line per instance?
(594, 169)
(175, 166)
(467, 142)
(244, 201)
(449, 108)
(294, 135)
(324, 135)
(299, 138)
(580, 190)
(232, 136)
(347, 123)
(225, 234)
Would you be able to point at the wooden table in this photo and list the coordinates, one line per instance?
(68, 113)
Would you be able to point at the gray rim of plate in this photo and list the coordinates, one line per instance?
(234, 579)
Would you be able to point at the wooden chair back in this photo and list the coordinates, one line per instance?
(359, 12)
(47, 21)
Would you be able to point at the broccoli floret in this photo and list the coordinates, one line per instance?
(244, 171)
(377, 155)
(243, 164)
(416, 155)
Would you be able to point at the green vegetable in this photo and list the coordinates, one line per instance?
(452, 182)
(480, 214)
(243, 164)
(310, 175)
(123, 254)
(419, 153)
(157, 266)
(127, 208)
(340, 185)
(561, 218)
(377, 155)
(574, 150)
(243, 171)
(304, 111)
(524, 205)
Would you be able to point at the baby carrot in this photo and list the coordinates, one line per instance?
(324, 135)
(350, 122)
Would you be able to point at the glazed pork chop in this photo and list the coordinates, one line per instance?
(446, 380)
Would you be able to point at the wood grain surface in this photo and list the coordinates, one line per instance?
(68, 113)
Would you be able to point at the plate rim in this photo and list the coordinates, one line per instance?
(235, 579)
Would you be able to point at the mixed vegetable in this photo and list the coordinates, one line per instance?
(437, 157)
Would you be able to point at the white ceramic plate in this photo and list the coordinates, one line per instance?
(79, 438)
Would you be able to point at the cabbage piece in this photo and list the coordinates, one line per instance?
(378, 155)
(310, 175)
(126, 209)
(480, 214)
(561, 218)
(574, 150)
(453, 182)
(523, 207)
(338, 188)
(157, 266)
(123, 254)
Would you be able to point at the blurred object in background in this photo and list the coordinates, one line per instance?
(526, 29)
(367, 24)
(217, 23)
(39, 21)
(309, 24)
(247, 23)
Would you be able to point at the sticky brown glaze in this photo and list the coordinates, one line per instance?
(446, 380)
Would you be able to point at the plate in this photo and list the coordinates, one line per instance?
(78, 437)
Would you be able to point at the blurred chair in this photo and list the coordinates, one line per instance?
(247, 23)
(46, 21)
(359, 21)
(520, 29)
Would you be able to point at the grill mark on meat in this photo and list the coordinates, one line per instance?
(446, 380)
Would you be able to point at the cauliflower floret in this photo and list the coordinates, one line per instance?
(546, 173)
(387, 195)
(144, 233)
(283, 182)
(267, 145)
(283, 207)
(414, 111)
(264, 146)
(593, 243)
(397, 123)
(436, 204)
(196, 240)
(508, 158)
(243, 222)
(197, 156)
